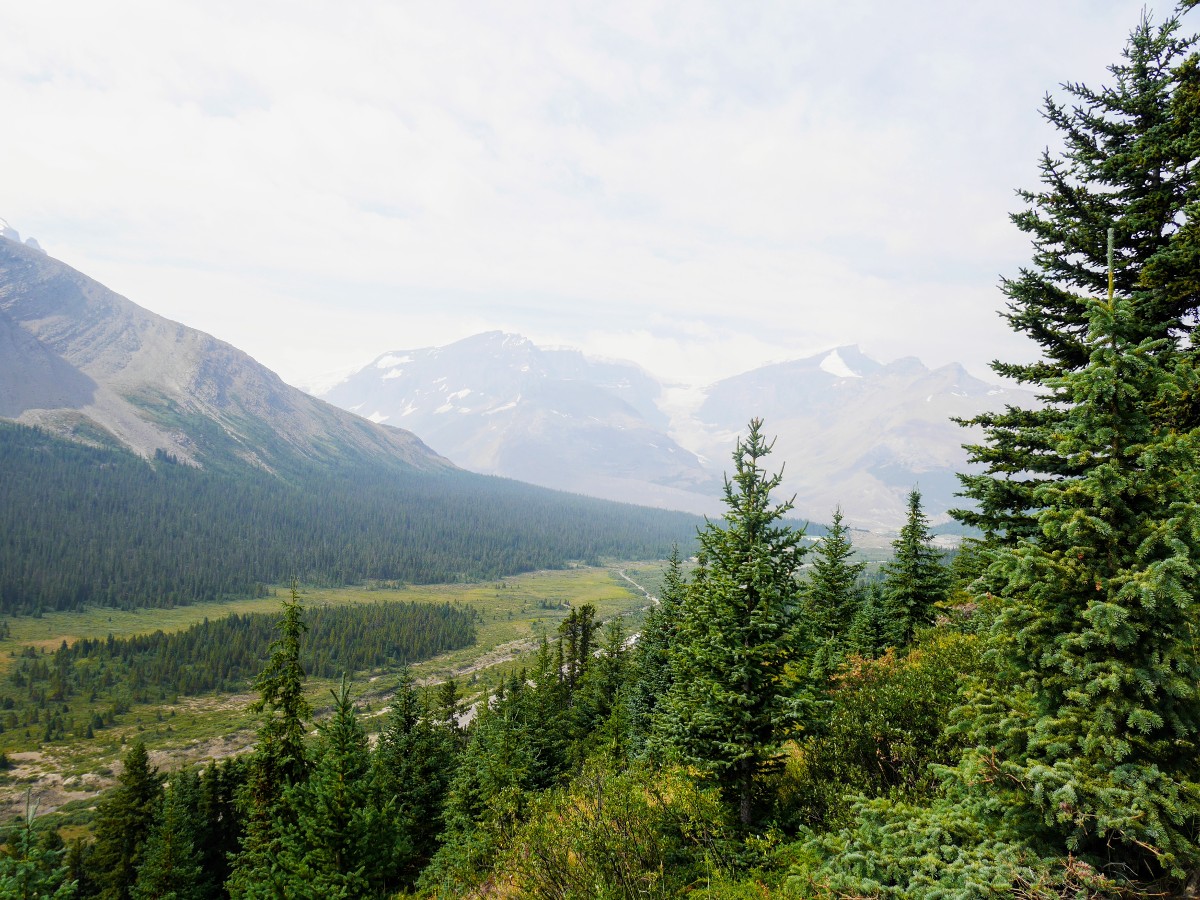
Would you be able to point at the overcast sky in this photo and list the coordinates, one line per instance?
(698, 187)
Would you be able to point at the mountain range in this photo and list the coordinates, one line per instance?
(144, 463)
(853, 432)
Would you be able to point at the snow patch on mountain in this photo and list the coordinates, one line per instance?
(836, 366)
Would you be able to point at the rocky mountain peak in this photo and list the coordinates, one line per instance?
(10, 233)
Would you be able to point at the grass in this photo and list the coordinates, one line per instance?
(514, 613)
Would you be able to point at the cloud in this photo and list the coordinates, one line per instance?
(780, 174)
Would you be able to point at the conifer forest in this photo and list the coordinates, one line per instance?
(1020, 718)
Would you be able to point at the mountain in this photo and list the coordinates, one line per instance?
(497, 403)
(852, 431)
(81, 361)
(143, 463)
(856, 432)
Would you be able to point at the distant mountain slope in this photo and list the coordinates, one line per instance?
(84, 525)
(81, 361)
(856, 432)
(852, 431)
(168, 467)
(496, 403)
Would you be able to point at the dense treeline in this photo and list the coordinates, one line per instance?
(221, 655)
(85, 526)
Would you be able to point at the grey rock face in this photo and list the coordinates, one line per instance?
(82, 361)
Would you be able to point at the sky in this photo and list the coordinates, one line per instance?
(698, 187)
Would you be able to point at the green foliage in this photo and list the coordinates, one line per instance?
(1098, 619)
(882, 727)
(651, 675)
(730, 707)
(832, 599)
(490, 792)
(278, 763)
(1127, 163)
(224, 654)
(337, 840)
(83, 526)
(29, 870)
(915, 579)
(171, 867)
(124, 821)
(632, 834)
(411, 771)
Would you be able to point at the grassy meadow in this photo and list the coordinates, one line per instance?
(512, 615)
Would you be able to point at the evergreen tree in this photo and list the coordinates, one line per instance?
(489, 795)
(28, 869)
(279, 760)
(337, 842)
(1098, 742)
(598, 719)
(411, 769)
(171, 865)
(219, 822)
(832, 597)
(1128, 163)
(868, 634)
(124, 821)
(1084, 775)
(651, 673)
(916, 580)
(731, 706)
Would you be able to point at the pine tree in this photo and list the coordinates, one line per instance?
(651, 675)
(1128, 163)
(832, 597)
(868, 634)
(279, 760)
(336, 844)
(731, 706)
(916, 580)
(124, 821)
(1098, 740)
(29, 870)
(411, 770)
(171, 865)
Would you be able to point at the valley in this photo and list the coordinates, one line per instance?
(513, 615)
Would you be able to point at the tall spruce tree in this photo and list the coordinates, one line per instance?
(1128, 162)
(412, 766)
(832, 596)
(730, 705)
(336, 840)
(279, 760)
(124, 821)
(1097, 745)
(916, 581)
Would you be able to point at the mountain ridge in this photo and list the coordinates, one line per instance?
(856, 433)
(88, 363)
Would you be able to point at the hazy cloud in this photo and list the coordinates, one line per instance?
(693, 186)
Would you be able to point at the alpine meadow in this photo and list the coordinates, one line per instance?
(256, 646)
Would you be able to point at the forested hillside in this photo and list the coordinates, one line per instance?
(81, 525)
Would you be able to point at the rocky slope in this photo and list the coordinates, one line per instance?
(81, 361)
